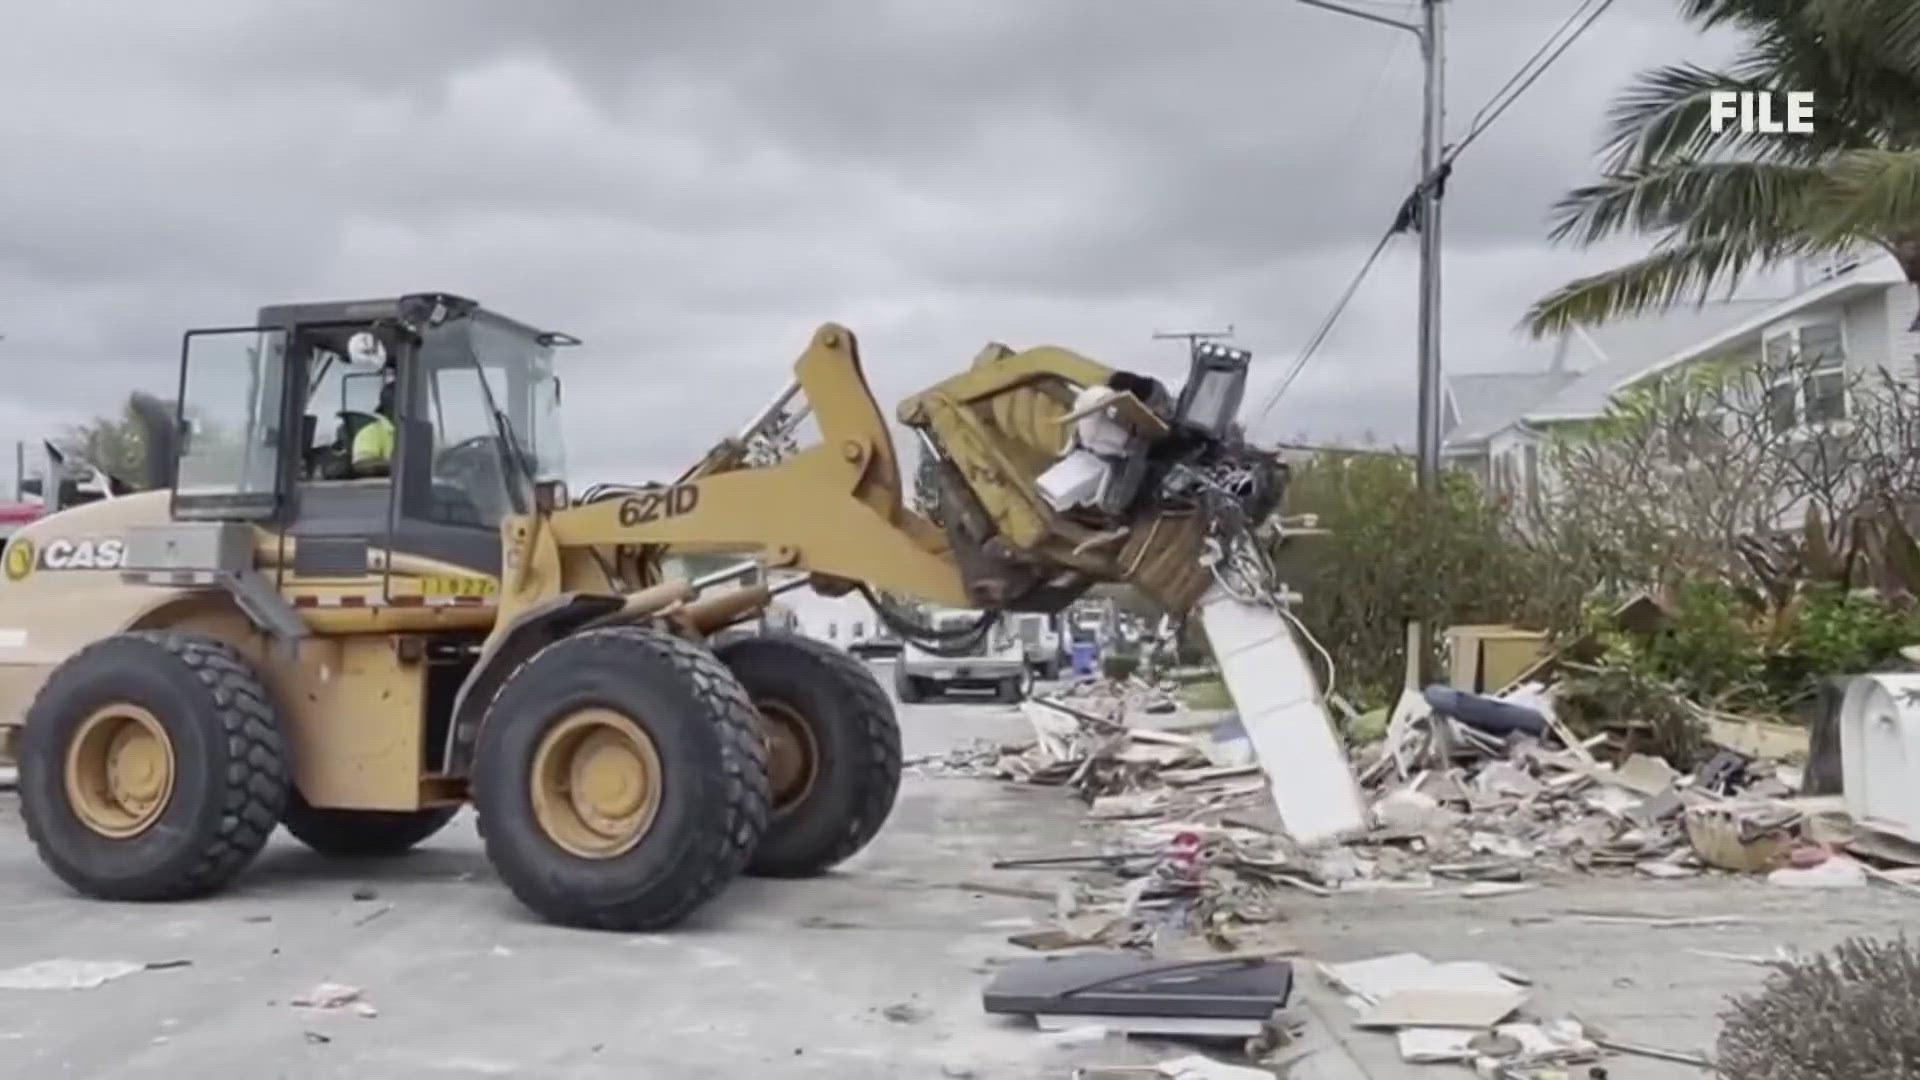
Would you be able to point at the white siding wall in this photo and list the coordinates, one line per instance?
(1864, 327)
(1903, 348)
(1507, 454)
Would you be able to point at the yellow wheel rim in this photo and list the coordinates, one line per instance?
(793, 758)
(596, 783)
(119, 771)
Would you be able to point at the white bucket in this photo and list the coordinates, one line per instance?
(1880, 753)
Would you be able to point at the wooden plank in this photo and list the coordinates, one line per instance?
(1763, 739)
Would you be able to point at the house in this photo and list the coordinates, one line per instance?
(1499, 422)
(846, 621)
(1845, 317)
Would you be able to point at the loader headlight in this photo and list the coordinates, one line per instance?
(1216, 381)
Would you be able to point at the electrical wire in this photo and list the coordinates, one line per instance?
(1521, 71)
(1522, 79)
(1326, 325)
(1333, 673)
(1484, 119)
(1355, 121)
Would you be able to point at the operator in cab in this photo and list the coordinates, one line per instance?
(372, 453)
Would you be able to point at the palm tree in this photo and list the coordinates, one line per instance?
(1720, 204)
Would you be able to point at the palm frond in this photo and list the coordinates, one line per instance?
(1749, 14)
(1864, 95)
(1666, 114)
(1760, 204)
(1670, 275)
(1871, 34)
(1868, 194)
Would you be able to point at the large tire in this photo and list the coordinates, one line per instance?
(362, 834)
(823, 817)
(218, 732)
(709, 806)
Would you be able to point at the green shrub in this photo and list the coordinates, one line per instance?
(1392, 554)
(1627, 684)
(1119, 665)
(1711, 649)
(1840, 632)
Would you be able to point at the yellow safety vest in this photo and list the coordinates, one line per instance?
(373, 443)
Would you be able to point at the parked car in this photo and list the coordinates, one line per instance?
(996, 664)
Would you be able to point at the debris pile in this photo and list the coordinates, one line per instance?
(1462, 802)
(1452, 805)
(1083, 743)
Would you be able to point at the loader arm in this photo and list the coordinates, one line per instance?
(835, 510)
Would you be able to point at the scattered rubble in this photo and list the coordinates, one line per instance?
(1193, 862)
(1449, 802)
(334, 997)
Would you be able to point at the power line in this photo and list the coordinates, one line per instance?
(1521, 71)
(1485, 119)
(1379, 81)
(1327, 324)
(1522, 79)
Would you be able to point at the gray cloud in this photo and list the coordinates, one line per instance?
(692, 187)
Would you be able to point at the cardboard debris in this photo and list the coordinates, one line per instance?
(1408, 990)
(1443, 1008)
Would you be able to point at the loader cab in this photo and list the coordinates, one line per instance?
(269, 415)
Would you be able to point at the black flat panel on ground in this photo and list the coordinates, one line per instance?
(1121, 985)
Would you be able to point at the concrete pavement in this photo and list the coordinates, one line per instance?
(874, 971)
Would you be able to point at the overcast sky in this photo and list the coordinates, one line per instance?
(691, 187)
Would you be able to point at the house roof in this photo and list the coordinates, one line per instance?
(1874, 274)
(1625, 352)
(1486, 403)
(1631, 346)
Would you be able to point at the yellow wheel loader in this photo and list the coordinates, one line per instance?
(356, 594)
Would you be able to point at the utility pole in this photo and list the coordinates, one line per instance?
(1426, 205)
(1433, 135)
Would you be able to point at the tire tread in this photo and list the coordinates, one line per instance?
(254, 789)
(880, 760)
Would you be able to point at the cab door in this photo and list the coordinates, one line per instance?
(232, 459)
